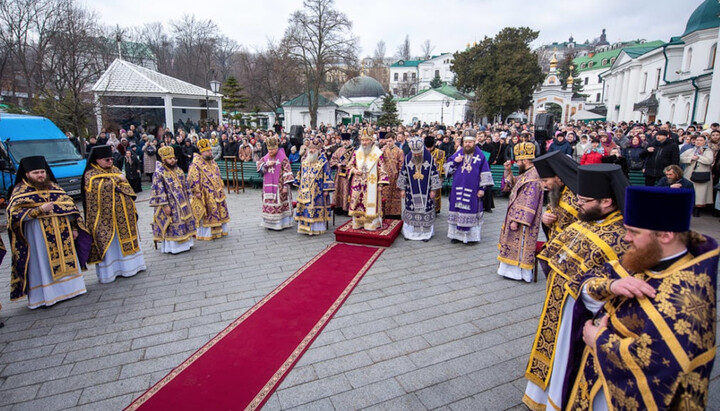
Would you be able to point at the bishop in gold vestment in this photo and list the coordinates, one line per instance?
(367, 171)
(208, 194)
(173, 220)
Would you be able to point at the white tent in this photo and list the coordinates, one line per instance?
(127, 80)
(585, 115)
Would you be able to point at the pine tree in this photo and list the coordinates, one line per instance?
(233, 99)
(436, 82)
(565, 69)
(388, 118)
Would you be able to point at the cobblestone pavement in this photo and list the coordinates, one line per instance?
(430, 326)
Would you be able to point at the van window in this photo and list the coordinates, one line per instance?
(55, 150)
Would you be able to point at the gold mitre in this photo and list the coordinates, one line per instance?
(272, 142)
(367, 133)
(524, 151)
(166, 152)
(203, 145)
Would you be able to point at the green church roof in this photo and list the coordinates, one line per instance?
(606, 58)
(447, 90)
(704, 17)
(407, 63)
(303, 101)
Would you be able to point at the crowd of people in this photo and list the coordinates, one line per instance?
(628, 319)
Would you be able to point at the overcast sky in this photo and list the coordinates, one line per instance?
(448, 24)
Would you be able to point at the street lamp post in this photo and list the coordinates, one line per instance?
(445, 103)
(214, 87)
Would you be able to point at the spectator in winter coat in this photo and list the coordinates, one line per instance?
(561, 145)
(633, 154)
(658, 155)
(594, 154)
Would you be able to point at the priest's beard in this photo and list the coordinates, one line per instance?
(312, 157)
(417, 159)
(554, 196)
(468, 150)
(521, 168)
(636, 260)
(366, 150)
(593, 214)
(40, 185)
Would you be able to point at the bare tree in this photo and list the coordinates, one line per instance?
(72, 62)
(225, 56)
(195, 45)
(153, 35)
(427, 49)
(319, 38)
(26, 28)
(379, 54)
(403, 50)
(269, 77)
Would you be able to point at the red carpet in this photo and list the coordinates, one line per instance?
(384, 237)
(240, 367)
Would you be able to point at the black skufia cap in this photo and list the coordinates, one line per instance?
(602, 181)
(558, 164)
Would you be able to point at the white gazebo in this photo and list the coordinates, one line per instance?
(128, 86)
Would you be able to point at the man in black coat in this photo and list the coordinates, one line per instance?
(658, 155)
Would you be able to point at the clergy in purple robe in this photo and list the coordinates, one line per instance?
(48, 238)
(471, 177)
(277, 175)
(173, 221)
(652, 347)
(417, 181)
(208, 194)
(519, 232)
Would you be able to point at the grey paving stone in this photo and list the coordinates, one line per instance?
(300, 375)
(379, 371)
(175, 347)
(37, 376)
(54, 402)
(398, 348)
(312, 391)
(18, 395)
(107, 361)
(342, 364)
(447, 392)
(367, 395)
(75, 382)
(404, 402)
(101, 392)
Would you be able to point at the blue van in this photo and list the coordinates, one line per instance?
(23, 135)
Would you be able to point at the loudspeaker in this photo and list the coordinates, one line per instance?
(296, 136)
(545, 122)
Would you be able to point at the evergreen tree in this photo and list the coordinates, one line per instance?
(567, 67)
(436, 82)
(502, 71)
(233, 99)
(388, 118)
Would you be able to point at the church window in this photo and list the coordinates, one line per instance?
(414, 76)
(688, 59)
(590, 64)
(657, 78)
(583, 65)
(405, 76)
(644, 87)
(687, 113)
(612, 60)
(713, 52)
(597, 97)
(396, 77)
(604, 62)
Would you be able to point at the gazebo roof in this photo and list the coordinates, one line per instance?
(126, 78)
